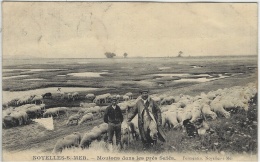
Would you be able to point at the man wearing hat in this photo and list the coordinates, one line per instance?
(114, 117)
(146, 103)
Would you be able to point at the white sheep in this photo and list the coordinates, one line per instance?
(86, 117)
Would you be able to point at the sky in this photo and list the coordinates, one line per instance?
(89, 29)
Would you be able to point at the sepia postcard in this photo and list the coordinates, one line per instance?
(129, 81)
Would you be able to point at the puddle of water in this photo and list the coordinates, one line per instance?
(221, 76)
(202, 75)
(8, 96)
(17, 76)
(195, 67)
(10, 70)
(87, 74)
(126, 67)
(35, 79)
(194, 80)
(164, 68)
(172, 75)
(83, 62)
(204, 78)
(31, 70)
(183, 75)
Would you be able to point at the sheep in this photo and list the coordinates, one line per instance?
(87, 139)
(55, 112)
(135, 127)
(88, 116)
(72, 118)
(9, 120)
(127, 129)
(126, 98)
(90, 96)
(37, 99)
(103, 127)
(82, 111)
(130, 95)
(76, 137)
(69, 96)
(67, 142)
(87, 105)
(62, 95)
(170, 118)
(157, 100)
(102, 109)
(207, 111)
(96, 110)
(118, 97)
(75, 96)
(21, 116)
(13, 117)
(105, 98)
(217, 106)
(34, 112)
(167, 100)
(24, 100)
(47, 95)
(169, 107)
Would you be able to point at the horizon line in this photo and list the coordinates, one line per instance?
(121, 57)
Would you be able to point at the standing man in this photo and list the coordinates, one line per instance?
(114, 117)
(145, 103)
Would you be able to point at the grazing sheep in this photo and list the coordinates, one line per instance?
(25, 100)
(73, 118)
(157, 100)
(37, 99)
(87, 139)
(55, 112)
(87, 105)
(75, 96)
(67, 142)
(126, 98)
(105, 98)
(90, 96)
(34, 112)
(83, 110)
(87, 117)
(207, 111)
(170, 118)
(168, 100)
(9, 121)
(217, 106)
(47, 95)
(102, 109)
(118, 97)
(69, 96)
(103, 127)
(21, 116)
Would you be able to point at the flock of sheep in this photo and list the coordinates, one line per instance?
(175, 109)
(20, 110)
(21, 115)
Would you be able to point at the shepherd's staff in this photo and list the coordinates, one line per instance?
(127, 126)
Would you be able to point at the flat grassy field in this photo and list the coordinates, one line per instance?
(118, 76)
